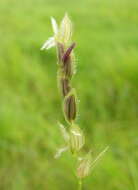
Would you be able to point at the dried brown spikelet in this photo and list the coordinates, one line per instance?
(70, 109)
(67, 68)
(65, 86)
(68, 52)
(67, 61)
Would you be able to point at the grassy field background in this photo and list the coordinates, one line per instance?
(106, 33)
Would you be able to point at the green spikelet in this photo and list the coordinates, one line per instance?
(77, 139)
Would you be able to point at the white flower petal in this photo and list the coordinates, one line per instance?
(60, 151)
(49, 43)
(54, 25)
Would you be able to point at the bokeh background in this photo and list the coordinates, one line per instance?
(106, 33)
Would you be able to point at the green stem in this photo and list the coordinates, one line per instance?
(80, 185)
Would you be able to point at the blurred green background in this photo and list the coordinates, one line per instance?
(106, 33)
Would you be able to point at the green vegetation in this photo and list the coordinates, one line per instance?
(106, 83)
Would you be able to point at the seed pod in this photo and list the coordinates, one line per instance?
(65, 86)
(76, 139)
(60, 50)
(84, 167)
(70, 107)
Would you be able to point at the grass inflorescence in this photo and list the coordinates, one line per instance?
(66, 69)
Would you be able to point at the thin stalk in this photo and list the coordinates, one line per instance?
(80, 184)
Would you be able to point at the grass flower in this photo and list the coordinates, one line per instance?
(74, 140)
(62, 34)
(87, 164)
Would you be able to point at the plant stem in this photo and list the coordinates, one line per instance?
(80, 185)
